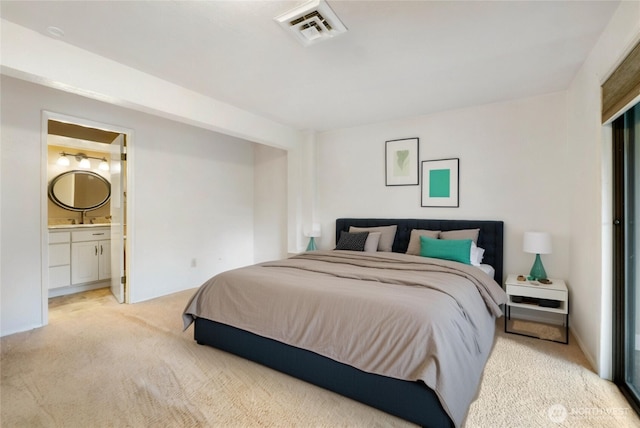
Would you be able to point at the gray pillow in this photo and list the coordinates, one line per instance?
(352, 241)
(414, 239)
(386, 239)
(461, 234)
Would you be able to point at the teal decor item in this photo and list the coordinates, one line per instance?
(312, 244)
(537, 243)
(457, 250)
(537, 270)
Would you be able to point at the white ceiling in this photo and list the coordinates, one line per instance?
(398, 58)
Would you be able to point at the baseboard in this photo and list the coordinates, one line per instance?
(63, 291)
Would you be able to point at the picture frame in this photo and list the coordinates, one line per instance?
(441, 183)
(401, 162)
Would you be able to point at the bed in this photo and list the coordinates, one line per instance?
(281, 314)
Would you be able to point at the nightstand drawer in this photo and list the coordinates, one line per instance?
(538, 293)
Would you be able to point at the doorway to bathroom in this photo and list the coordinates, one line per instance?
(84, 223)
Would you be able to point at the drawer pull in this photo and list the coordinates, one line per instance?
(95, 234)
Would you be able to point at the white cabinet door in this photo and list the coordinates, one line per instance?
(59, 254)
(59, 260)
(104, 256)
(84, 262)
(59, 276)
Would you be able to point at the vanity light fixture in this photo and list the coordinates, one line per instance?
(63, 160)
(85, 163)
(104, 165)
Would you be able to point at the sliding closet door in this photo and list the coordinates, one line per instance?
(626, 210)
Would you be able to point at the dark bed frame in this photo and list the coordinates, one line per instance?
(412, 401)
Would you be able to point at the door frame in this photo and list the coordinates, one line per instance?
(619, 201)
(44, 229)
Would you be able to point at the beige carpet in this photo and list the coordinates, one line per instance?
(102, 364)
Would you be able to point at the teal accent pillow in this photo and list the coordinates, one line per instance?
(457, 250)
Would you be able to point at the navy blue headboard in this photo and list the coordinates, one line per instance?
(491, 236)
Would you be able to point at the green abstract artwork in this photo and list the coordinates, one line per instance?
(401, 166)
(440, 183)
(401, 162)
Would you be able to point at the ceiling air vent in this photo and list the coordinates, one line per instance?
(312, 22)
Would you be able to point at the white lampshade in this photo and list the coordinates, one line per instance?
(537, 243)
(104, 165)
(316, 231)
(63, 160)
(85, 163)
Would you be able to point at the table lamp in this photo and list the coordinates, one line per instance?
(537, 243)
(315, 233)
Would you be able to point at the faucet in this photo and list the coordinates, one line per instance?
(83, 217)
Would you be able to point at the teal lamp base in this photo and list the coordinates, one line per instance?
(312, 244)
(537, 270)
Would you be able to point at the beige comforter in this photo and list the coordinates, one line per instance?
(406, 317)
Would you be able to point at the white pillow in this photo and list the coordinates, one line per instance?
(476, 255)
(371, 245)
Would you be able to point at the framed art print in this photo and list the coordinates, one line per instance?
(440, 183)
(401, 162)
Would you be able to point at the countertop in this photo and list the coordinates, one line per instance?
(77, 226)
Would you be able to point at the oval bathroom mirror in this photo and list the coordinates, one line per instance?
(79, 190)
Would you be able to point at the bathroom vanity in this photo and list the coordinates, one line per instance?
(79, 258)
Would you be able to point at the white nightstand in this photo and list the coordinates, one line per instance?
(535, 296)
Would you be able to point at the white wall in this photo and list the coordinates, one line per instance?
(193, 194)
(193, 199)
(20, 196)
(590, 181)
(513, 160)
(270, 215)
